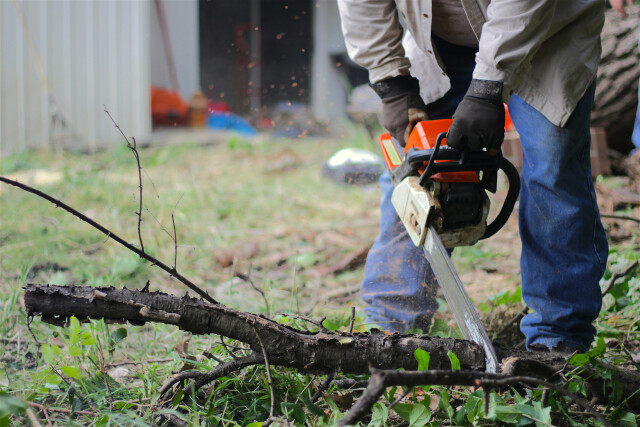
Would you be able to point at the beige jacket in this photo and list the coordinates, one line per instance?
(545, 51)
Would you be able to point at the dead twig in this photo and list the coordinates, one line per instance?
(348, 383)
(175, 242)
(270, 380)
(229, 352)
(102, 368)
(224, 369)
(175, 235)
(318, 323)
(42, 409)
(247, 278)
(154, 261)
(162, 227)
(353, 319)
(382, 379)
(46, 410)
(515, 318)
(399, 399)
(32, 417)
(324, 385)
(624, 217)
(141, 362)
(176, 379)
(209, 355)
(134, 149)
(38, 344)
(616, 276)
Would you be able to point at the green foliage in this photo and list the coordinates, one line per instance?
(455, 362)
(620, 307)
(10, 407)
(507, 297)
(423, 359)
(238, 143)
(590, 356)
(224, 203)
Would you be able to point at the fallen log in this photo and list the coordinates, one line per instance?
(322, 352)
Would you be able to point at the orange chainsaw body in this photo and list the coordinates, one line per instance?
(424, 136)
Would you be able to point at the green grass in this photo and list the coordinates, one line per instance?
(224, 198)
(260, 207)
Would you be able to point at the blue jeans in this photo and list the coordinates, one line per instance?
(635, 137)
(564, 247)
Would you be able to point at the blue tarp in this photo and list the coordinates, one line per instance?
(228, 121)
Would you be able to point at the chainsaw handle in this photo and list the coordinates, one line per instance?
(426, 174)
(510, 201)
(484, 163)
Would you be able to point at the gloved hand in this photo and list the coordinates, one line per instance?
(402, 106)
(479, 119)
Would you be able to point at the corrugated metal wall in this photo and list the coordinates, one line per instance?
(90, 54)
(182, 23)
(328, 98)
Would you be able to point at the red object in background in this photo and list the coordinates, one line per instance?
(264, 122)
(168, 108)
(218, 106)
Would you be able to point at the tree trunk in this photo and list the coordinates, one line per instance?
(616, 97)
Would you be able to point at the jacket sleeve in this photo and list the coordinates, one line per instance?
(513, 33)
(373, 37)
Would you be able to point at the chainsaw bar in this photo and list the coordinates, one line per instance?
(457, 298)
(440, 197)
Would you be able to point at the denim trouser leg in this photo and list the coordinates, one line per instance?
(635, 136)
(564, 246)
(399, 286)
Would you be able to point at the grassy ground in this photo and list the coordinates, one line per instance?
(257, 207)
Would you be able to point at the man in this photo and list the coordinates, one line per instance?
(469, 56)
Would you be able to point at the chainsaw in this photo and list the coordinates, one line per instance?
(441, 197)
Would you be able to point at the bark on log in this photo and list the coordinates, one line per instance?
(315, 352)
(616, 97)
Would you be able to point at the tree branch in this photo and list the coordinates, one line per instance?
(616, 276)
(313, 352)
(625, 217)
(134, 149)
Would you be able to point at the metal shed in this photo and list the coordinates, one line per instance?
(62, 62)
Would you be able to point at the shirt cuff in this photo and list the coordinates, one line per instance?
(393, 68)
(487, 72)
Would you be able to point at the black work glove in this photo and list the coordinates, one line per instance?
(402, 106)
(479, 119)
